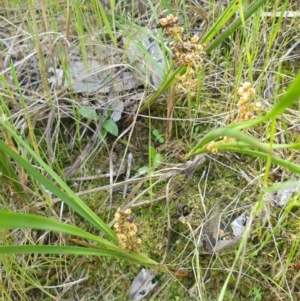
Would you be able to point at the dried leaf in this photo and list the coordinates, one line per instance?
(117, 107)
(239, 224)
(142, 284)
(146, 55)
(156, 76)
(210, 233)
(85, 79)
(227, 244)
(91, 78)
(238, 228)
(269, 88)
(125, 81)
(282, 195)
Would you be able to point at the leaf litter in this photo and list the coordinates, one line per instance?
(216, 237)
(143, 284)
(91, 77)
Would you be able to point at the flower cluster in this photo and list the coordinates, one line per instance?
(246, 111)
(212, 147)
(246, 107)
(126, 230)
(186, 52)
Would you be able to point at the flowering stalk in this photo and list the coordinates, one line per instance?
(126, 230)
(246, 111)
(186, 52)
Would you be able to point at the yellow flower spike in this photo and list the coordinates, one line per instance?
(246, 86)
(117, 215)
(200, 47)
(252, 92)
(189, 58)
(163, 22)
(123, 245)
(116, 226)
(132, 233)
(121, 237)
(214, 151)
(245, 107)
(210, 146)
(248, 116)
(183, 78)
(240, 91)
(192, 72)
(186, 52)
(127, 211)
(170, 17)
(132, 226)
(244, 98)
(177, 37)
(175, 20)
(257, 106)
(126, 230)
(195, 39)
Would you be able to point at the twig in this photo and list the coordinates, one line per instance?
(127, 173)
(160, 174)
(169, 222)
(48, 136)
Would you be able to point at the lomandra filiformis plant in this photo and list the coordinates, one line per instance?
(126, 230)
(246, 106)
(186, 52)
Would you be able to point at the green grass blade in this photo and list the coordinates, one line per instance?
(28, 249)
(68, 250)
(231, 28)
(245, 145)
(291, 96)
(284, 163)
(223, 19)
(12, 220)
(107, 22)
(70, 198)
(213, 135)
(167, 82)
(9, 175)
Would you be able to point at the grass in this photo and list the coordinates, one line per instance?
(63, 176)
